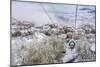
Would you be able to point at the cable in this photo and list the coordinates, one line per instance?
(55, 12)
(46, 13)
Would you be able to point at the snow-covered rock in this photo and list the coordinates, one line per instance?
(70, 55)
(92, 48)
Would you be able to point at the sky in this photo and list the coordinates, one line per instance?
(43, 13)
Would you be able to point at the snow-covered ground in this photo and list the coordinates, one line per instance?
(40, 40)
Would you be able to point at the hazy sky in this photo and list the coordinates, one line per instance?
(62, 13)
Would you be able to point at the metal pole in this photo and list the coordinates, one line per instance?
(76, 15)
